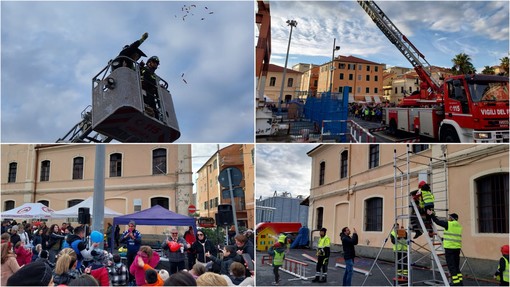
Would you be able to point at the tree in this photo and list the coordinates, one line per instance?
(487, 70)
(462, 64)
(504, 65)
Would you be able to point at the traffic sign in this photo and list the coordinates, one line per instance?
(191, 209)
(235, 175)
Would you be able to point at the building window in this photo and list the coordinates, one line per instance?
(341, 66)
(419, 147)
(396, 90)
(343, 164)
(402, 90)
(410, 89)
(73, 202)
(78, 168)
(216, 201)
(340, 89)
(252, 156)
(206, 205)
(492, 203)
(359, 67)
(272, 81)
(162, 201)
(341, 76)
(44, 202)
(374, 156)
(320, 215)
(315, 82)
(367, 90)
(159, 161)
(368, 78)
(376, 78)
(8, 205)
(45, 170)
(350, 89)
(290, 82)
(13, 168)
(322, 171)
(115, 165)
(359, 77)
(376, 90)
(358, 90)
(376, 68)
(351, 77)
(368, 68)
(373, 214)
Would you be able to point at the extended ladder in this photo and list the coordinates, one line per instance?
(412, 54)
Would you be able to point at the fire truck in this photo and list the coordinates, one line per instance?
(463, 108)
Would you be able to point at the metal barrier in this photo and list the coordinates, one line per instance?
(357, 133)
(290, 266)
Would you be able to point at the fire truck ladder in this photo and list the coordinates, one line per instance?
(412, 54)
(82, 132)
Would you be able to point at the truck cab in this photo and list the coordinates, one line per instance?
(476, 109)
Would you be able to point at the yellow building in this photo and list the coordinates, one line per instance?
(364, 77)
(60, 176)
(209, 190)
(353, 185)
(273, 84)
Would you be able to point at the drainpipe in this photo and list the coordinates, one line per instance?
(36, 169)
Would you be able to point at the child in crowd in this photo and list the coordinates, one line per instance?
(118, 272)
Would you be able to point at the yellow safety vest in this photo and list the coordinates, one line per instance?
(505, 272)
(324, 242)
(453, 236)
(278, 258)
(427, 196)
(400, 244)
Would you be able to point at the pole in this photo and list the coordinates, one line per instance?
(98, 199)
(332, 67)
(291, 23)
(232, 200)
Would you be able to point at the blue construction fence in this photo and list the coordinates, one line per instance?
(330, 106)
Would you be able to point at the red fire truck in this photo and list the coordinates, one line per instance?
(464, 108)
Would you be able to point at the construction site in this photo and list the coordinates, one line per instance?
(374, 193)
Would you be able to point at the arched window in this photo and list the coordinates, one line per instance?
(373, 214)
(322, 172)
(115, 165)
(13, 169)
(8, 205)
(162, 201)
(159, 161)
(73, 202)
(44, 202)
(78, 168)
(45, 170)
(492, 203)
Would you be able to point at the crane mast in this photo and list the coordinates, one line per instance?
(412, 54)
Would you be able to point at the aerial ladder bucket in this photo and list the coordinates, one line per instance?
(118, 109)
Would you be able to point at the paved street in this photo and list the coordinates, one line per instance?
(335, 274)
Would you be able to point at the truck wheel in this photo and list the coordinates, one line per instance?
(449, 135)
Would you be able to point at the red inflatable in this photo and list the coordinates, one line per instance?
(174, 246)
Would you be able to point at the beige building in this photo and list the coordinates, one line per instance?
(136, 176)
(364, 77)
(273, 84)
(353, 185)
(209, 190)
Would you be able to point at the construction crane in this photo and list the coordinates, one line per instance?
(465, 108)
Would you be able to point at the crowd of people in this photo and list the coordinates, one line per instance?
(38, 255)
(367, 112)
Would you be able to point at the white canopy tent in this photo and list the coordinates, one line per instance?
(73, 210)
(29, 210)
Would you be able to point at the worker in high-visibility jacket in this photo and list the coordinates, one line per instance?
(277, 251)
(323, 251)
(502, 272)
(399, 240)
(452, 243)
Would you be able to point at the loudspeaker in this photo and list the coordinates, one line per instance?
(84, 215)
(225, 215)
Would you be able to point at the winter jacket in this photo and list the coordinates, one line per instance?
(176, 256)
(101, 274)
(348, 245)
(248, 248)
(159, 282)
(133, 245)
(65, 278)
(23, 256)
(226, 262)
(201, 247)
(138, 271)
(9, 267)
(55, 241)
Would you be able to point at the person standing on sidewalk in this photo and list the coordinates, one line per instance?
(348, 243)
(323, 252)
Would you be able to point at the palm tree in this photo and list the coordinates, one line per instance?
(462, 64)
(504, 65)
(488, 70)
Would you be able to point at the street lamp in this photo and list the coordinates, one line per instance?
(291, 23)
(335, 48)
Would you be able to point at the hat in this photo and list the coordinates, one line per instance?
(154, 59)
(163, 274)
(421, 183)
(14, 228)
(324, 229)
(504, 249)
(454, 216)
(44, 254)
(33, 274)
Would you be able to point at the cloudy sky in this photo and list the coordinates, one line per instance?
(283, 167)
(51, 50)
(439, 29)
